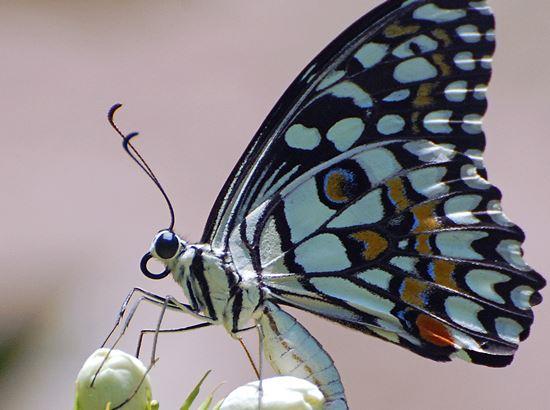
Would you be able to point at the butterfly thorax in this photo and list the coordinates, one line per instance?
(214, 288)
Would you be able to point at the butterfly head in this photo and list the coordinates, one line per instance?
(165, 248)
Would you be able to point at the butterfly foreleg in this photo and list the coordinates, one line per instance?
(143, 332)
(153, 359)
(292, 351)
(150, 297)
(167, 302)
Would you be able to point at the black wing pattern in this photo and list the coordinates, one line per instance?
(363, 197)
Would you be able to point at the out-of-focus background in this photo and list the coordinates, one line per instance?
(197, 78)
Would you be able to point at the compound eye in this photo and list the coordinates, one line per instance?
(167, 245)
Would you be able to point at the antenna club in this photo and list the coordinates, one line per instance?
(112, 111)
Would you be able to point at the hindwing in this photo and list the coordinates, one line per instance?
(364, 199)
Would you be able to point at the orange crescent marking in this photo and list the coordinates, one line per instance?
(335, 188)
(374, 243)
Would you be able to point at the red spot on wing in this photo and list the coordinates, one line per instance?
(434, 332)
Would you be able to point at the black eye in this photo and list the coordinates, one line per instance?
(167, 245)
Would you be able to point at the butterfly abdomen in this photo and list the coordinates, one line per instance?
(292, 351)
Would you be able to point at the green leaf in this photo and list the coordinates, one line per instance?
(218, 405)
(206, 404)
(209, 399)
(193, 395)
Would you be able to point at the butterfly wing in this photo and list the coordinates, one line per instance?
(363, 198)
(267, 164)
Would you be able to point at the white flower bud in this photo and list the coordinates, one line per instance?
(116, 382)
(279, 393)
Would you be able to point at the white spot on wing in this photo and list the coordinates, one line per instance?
(347, 89)
(356, 296)
(472, 123)
(458, 244)
(379, 164)
(427, 181)
(494, 209)
(469, 33)
(510, 250)
(483, 281)
(465, 61)
(345, 133)
(376, 277)
(414, 70)
(427, 151)
(438, 122)
(508, 329)
(398, 96)
(487, 62)
(464, 341)
(480, 92)
(432, 12)
(300, 137)
(371, 54)
(406, 263)
(368, 210)
(390, 124)
(456, 91)
(476, 155)
(304, 211)
(322, 253)
(470, 176)
(464, 313)
(459, 209)
(521, 297)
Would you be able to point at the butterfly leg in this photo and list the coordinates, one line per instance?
(292, 351)
(167, 302)
(154, 359)
(143, 332)
(152, 298)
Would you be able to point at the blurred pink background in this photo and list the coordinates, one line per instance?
(197, 78)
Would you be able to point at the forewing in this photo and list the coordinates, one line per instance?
(418, 68)
(366, 202)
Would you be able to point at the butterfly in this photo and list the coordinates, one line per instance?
(363, 198)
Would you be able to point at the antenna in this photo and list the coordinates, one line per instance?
(138, 159)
